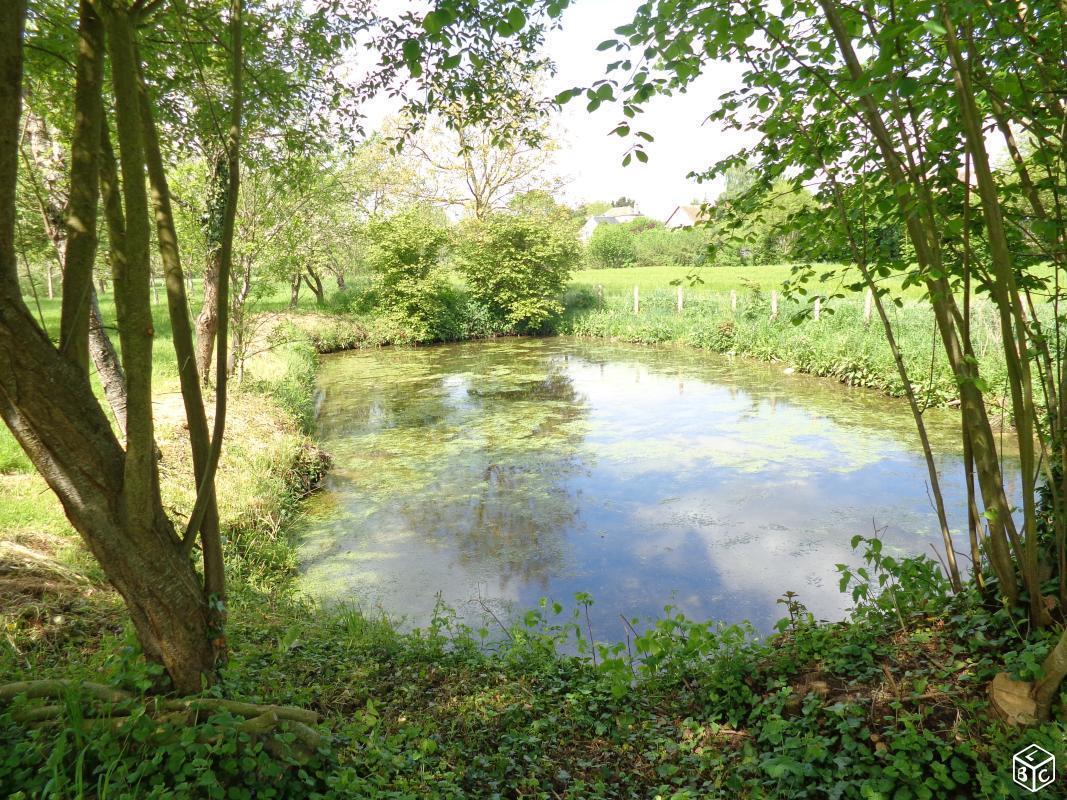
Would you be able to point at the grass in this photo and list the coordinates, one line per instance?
(716, 280)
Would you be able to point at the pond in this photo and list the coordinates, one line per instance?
(492, 474)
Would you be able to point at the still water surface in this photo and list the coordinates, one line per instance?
(506, 471)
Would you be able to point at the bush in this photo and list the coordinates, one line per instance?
(611, 246)
(658, 247)
(404, 251)
(517, 267)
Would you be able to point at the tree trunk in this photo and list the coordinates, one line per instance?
(294, 290)
(314, 283)
(84, 188)
(182, 336)
(208, 322)
(106, 361)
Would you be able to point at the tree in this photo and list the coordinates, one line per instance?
(611, 246)
(110, 490)
(405, 251)
(884, 105)
(293, 57)
(518, 266)
(467, 166)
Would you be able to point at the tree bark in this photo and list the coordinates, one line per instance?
(233, 172)
(113, 375)
(52, 199)
(314, 283)
(208, 321)
(84, 188)
(106, 361)
(294, 289)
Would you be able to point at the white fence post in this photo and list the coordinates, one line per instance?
(774, 304)
(637, 300)
(733, 299)
(867, 302)
(818, 308)
(681, 298)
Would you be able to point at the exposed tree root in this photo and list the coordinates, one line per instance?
(260, 720)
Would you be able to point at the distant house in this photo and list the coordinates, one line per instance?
(613, 216)
(685, 217)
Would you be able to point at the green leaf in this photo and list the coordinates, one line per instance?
(436, 20)
(935, 27)
(412, 51)
(516, 19)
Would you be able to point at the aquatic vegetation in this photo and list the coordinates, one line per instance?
(499, 472)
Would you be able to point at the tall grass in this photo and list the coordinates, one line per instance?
(841, 344)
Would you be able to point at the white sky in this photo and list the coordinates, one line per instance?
(591, 159)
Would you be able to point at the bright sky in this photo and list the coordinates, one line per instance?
(591, 159)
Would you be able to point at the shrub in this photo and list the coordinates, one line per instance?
(611, 246)
(656, 247)
(518, 266)
(405, 252)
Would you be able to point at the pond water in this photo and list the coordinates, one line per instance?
(496, 473)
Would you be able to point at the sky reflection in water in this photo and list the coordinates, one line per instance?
(516, 469)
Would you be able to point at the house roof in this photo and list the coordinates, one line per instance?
(685, 215)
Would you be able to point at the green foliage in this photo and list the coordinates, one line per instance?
(657, 246)
(518, 266)
(611, 247)
(142, 758)
(405, 253)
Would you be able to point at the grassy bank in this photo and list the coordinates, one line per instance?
(841, 344)
(889, 705)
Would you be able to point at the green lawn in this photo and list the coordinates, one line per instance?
(716, 279)
(830, 278)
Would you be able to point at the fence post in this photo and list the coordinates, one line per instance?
(818, 308)
(681, 298)
(867, 301)
(774, 304)
(637, 300)
(733, 299)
